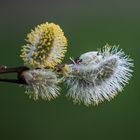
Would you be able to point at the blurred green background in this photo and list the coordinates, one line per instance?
(88, 25)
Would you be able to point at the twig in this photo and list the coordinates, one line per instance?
(19, 70)
(16, 81)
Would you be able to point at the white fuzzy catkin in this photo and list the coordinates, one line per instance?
(99, 75)
(42, 84)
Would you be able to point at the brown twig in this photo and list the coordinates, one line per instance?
(16, 81)
(19, 70)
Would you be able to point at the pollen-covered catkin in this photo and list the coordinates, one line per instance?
(46, 46)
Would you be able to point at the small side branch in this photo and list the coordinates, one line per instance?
(19, 70)
(16, 81)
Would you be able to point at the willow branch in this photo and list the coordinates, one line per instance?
(19, 70)
(4, 69)
(16, 81)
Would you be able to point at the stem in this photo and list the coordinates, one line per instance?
(16, 81)
(19, 70)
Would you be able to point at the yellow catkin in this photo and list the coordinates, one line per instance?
(66, 69)
(46, 46)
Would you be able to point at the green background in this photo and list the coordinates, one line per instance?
(88, 25)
